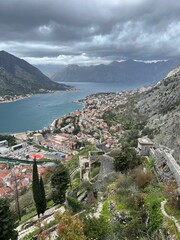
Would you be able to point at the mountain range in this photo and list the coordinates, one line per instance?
(129, 71)
(18, 77)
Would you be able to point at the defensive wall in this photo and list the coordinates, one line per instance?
(163, 156)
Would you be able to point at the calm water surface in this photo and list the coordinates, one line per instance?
(40, 110)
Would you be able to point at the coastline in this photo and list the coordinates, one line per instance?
(23, 135)
(10, 99)
(15, 99)
(50, 123)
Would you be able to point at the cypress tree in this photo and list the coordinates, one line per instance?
(36, 188)
(43, 196)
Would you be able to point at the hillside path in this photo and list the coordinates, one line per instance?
(168, 216)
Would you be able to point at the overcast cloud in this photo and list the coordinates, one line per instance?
(90, 31)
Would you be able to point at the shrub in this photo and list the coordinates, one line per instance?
(69, 227)
(98, 229)
(143, 178)
(75, 205)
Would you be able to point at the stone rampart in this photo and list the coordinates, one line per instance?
(162, 157)
(174, 167)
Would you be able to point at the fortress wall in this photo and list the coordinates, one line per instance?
(174, 167)
(170, 161)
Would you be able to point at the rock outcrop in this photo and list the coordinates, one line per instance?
(161, 106)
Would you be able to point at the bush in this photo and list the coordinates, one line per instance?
(143, 178)
(75, 205)
(126, 159)
(98, 229)
(69, 227)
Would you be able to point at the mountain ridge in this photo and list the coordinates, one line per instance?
(129, 71)
(18, 77)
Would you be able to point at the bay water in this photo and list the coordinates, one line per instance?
(38, 111)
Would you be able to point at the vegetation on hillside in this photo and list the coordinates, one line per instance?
(7, 221)
(18, 77)
(128, 206)
(60, 181)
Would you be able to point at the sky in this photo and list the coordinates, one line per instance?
(89, 32)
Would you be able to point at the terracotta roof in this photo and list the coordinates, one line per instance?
(4, 173)
(37, 155)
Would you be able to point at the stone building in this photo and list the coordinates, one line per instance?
(144, 145)
(37, 137)
(84, 165)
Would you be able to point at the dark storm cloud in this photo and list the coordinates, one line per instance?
(94, 30)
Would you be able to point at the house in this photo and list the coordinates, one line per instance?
(144, 145)
(37, 137)
(4, 143)
(4, 147)
(4, 150)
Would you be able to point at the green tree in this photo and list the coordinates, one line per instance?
(43, 196)
(11, 139)
(60, 181)
(38, 191)
(7, 221)
(126, 159)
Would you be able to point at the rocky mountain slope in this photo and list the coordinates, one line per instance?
(129, 71)
(17, 77)
(161, 106)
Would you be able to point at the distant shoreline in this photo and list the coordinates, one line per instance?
(21, 97)
(15, 99)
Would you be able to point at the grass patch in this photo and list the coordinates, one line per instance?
(75, 181)
(148, 163)
(172, 211)
(172, 228)
(94, 171)
(28, 215)
(50, 204)
(105, 213)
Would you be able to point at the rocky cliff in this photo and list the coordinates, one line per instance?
(161, 106)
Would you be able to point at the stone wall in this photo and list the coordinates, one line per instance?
(175, 168)
(106, 172)
(165, 166)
